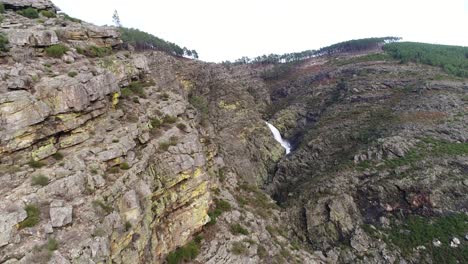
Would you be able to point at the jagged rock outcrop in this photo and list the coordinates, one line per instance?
(39, 4)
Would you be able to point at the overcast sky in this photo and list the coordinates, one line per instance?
(226, 30)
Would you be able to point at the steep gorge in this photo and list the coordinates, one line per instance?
(140, 152)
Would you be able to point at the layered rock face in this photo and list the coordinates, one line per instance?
(127, 157)
(112, 190)
(105, 160)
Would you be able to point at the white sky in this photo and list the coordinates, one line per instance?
(226, 30)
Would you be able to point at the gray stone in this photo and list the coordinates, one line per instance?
(39, 4)
(60, 215)
(8, 222)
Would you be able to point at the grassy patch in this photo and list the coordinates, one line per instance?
(166, 144)
(238, 229)
(364, 58)
(29, 13)
(95, 51)
(36, 164)
(417, 231)
(39, 180)
(220, 207)
(124, 166)
(56, 51)
(238, 248)
(4, 42)
(452, 59)
(58, 156)
(72, 74)
(48, 14)
(100, 205)
(33, 217)
(181, 126)
(185, 253)
(52, 244)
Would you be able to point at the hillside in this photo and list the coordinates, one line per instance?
(114, 152)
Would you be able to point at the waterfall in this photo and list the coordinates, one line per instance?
(277, 135)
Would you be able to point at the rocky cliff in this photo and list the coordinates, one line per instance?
(116, 156)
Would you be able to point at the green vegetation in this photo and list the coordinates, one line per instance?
(97, 204)
(453, 59)
(169, 119)
(346, 46)
(200, 103)
(238, 248)
(29, 13)
(124, 166)
(2, 8)
(40, 180)
(238, 229)
(113, 170)
(166, 144)
(423, 230)
(36, 164)
(72, 74)
(128, 226)
(52, 244)
(145, 41)
(56, 51)
(364, 58)
(136, 88)
(48, 13)
(181, 126)
(220, 207)
(4, 42)
(355, 45)
(164, 96)
(95, 51)
(185, 253)
(33, 217)
(72, 19)
(156, 123)
(58, 156)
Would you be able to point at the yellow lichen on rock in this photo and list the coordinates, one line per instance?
(231, 107)
(115, 99)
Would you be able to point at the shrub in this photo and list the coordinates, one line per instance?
(221, 206)
(125, 92)
(56, 51)
(95, 51)
(4, 43)
(238, 248)
(29, 13)
(156, 123)
(72, 74)
(113, 170)
(124, 166)
(33, 216)
(185, 253)
(2, 8)
(58, 156)
(170, 119)
(200, 103)
(104, 207)
(237, 229)
(128, 226)
(52, 244)
(48, 13)
(72, 19)
(40, 180)
(164, 96)
(166, 144)
(181, 126)
(36, 164)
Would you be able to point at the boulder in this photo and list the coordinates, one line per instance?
(60, 214)
(32, 37)
(39, 4)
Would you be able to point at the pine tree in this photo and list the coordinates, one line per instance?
(116, 19)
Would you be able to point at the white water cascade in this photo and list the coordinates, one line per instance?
(277, 135)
